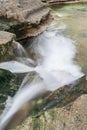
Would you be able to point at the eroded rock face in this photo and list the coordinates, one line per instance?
(24, 17)
(54, 2)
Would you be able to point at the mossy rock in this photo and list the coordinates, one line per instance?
(66, 94)
(67, 109)
(6, 45)
(74, 118)
(9, 84)
(61, 97)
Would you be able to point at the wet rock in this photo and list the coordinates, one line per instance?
(6, 46)
(67, 93)
(6, 37)
(69, 112)
(72, 116)
(54, 2)
(9, 84)
(24, 18)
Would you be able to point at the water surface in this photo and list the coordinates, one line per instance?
(75, 18)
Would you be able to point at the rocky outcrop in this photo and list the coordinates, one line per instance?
(54, 2)
(70, 117)
(68, 110)
(6, 37)
(25, 18)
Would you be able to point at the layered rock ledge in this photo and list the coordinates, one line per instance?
(25, 18)
(55, 2)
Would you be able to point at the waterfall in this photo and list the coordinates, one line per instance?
(55, 68)
(20, 51)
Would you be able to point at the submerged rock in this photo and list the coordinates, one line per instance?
(25, 18)
(59, 2)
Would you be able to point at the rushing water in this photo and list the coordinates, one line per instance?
(75, 18)
(53, 56)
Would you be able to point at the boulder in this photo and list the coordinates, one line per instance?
(6, 37)
(25, 18)
(70, 117)
(65, 109)
(6, 46)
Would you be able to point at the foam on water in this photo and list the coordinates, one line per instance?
(57, 55)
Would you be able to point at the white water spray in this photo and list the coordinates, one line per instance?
(16, 67)
(23, 96)
(55, 66)
(57, 55)
(26, 61)
(20, 51)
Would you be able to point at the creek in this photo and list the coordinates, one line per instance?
(57, 56)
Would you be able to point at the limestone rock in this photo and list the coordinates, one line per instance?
(70, 114)
(54, 2)
(70, 117)
(24, 17)
(6, 46)
(6, 37)
(68, 93)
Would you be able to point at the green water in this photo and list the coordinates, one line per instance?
(75, 18)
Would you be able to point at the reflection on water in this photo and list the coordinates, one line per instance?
(75, 18)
